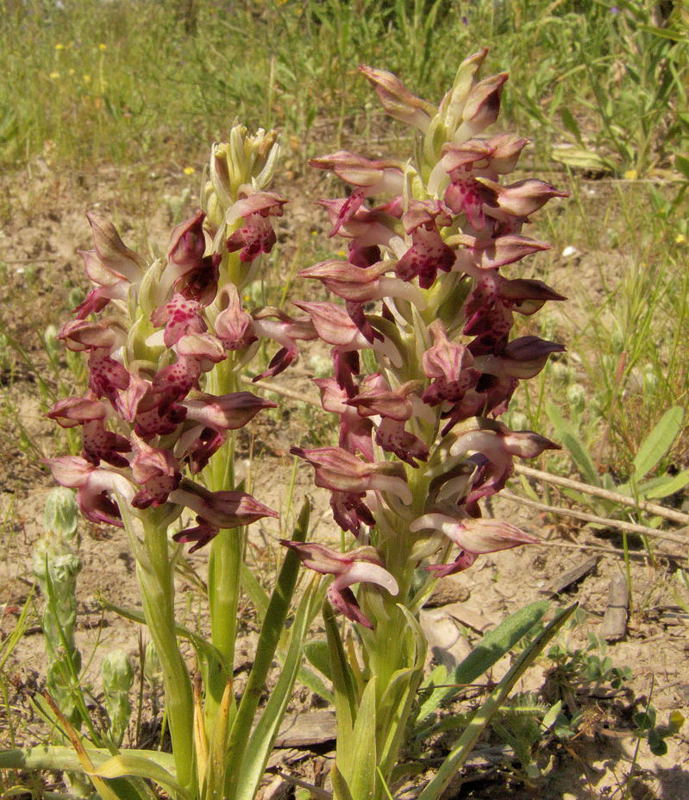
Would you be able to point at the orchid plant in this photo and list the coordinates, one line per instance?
(423, 365)
(165, 344)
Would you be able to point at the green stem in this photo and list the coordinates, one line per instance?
(156, 580)
(224, 571)
(226, 556)
(269, 638)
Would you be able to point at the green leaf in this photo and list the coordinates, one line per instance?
(341, 789)
(492, 647)
(665, 33)
(570, 123)
(656, 445)
(579, 158)
(401, 690)
(644, 720)
(203, 648)
(262, 737)
(656, 743)
(257, 594)
(66, 759)
(314, 682)
(128, 765)
(15, 636)
(551, 715)
(569, 439)
(682, 165)
(357, 756)
(273, 624)
(319, 655)
(479, 721)
(664, 485)
(341, 674)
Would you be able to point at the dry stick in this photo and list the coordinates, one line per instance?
(629, 527)
(597, 491)
(268, 387)
(599, 549)
(32, 260)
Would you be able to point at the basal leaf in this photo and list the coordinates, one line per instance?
(665, 486)
(479, 721)
(360, 752)
(128, 765)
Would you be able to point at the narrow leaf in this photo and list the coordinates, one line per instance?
(261, 741)
(682, 165)
(318, 654)
(204, 649)
(257, 594)
(492, 647)
(341, 789)
(570, 123)
(479, 721)
(342, 678)
(357, 756)
(104, 791)
(579, 158)
(268, 640)
(130, 765)
(64, 758)
(667, 486)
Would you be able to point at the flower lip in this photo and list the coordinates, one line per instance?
(361, 565)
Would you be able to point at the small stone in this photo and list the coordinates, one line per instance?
(451, 589)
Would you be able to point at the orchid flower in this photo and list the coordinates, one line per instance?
(164, 341)
(420, 325)
(362, 565)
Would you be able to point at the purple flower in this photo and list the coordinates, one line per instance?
(473, 537)
(256, 234)
(97, 489)
(362, 565)
(341, 471)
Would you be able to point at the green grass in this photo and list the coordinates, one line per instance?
(96, 82)
(626, 320)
